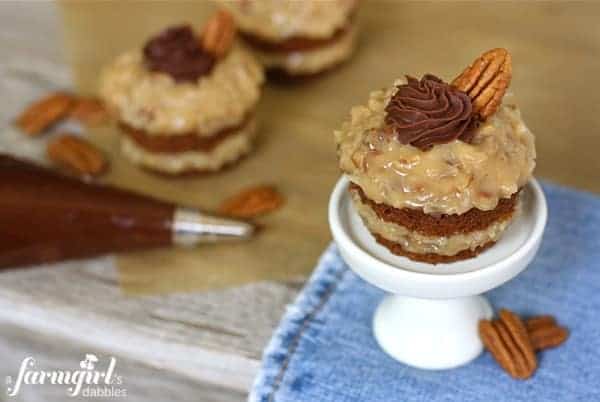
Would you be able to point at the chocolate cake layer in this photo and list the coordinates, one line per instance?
(441, 225)
(293, 43)
(181, 142)
(431, 258)
(232, 147)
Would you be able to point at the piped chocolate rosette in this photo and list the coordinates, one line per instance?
(185, 101)
(436, 168)
(297, 39)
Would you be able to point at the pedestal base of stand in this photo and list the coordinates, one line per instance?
(431, 334)
(432, 320)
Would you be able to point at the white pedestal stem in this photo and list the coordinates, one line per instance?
(431, 319)
(431, 333)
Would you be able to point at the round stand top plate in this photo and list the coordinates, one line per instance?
(496, 265)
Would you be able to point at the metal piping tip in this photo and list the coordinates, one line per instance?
(191, 227)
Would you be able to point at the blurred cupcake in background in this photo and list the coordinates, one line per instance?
(297, 38)
(185, 101)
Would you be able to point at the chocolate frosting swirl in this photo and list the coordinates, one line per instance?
(177, 51)
(429, 112)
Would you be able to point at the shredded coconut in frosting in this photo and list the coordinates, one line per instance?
(155, 103)
(449, 178)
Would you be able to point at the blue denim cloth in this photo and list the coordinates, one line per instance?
(324, 350)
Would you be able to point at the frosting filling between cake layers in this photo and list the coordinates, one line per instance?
(168, 143)
(231, 148)
(412, 241)
(311, 60)
(450, 178)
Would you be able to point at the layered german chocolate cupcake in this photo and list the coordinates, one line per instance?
(297, 38)
(186, 101)
(436, 168)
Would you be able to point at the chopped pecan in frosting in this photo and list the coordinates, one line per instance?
(428, 111)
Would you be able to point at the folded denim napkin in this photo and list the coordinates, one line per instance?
(323, 349)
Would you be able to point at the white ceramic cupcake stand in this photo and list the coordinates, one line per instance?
(430, 319)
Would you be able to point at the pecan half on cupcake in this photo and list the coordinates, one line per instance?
(436, 168)
(297, 38)
(185, 102)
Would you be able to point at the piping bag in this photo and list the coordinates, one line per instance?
(48, 217)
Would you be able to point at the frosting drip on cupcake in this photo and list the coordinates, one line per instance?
(429, 112)
(178, 53)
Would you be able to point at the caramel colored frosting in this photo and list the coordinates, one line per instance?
(155, 103)
(449, 178)
(428, 112)
(277, 20)
(177, 51)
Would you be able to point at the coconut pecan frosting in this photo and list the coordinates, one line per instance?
(427, 112)
(177, 51)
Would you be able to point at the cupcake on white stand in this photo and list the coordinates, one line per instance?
(437, 206)
(430, 319)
